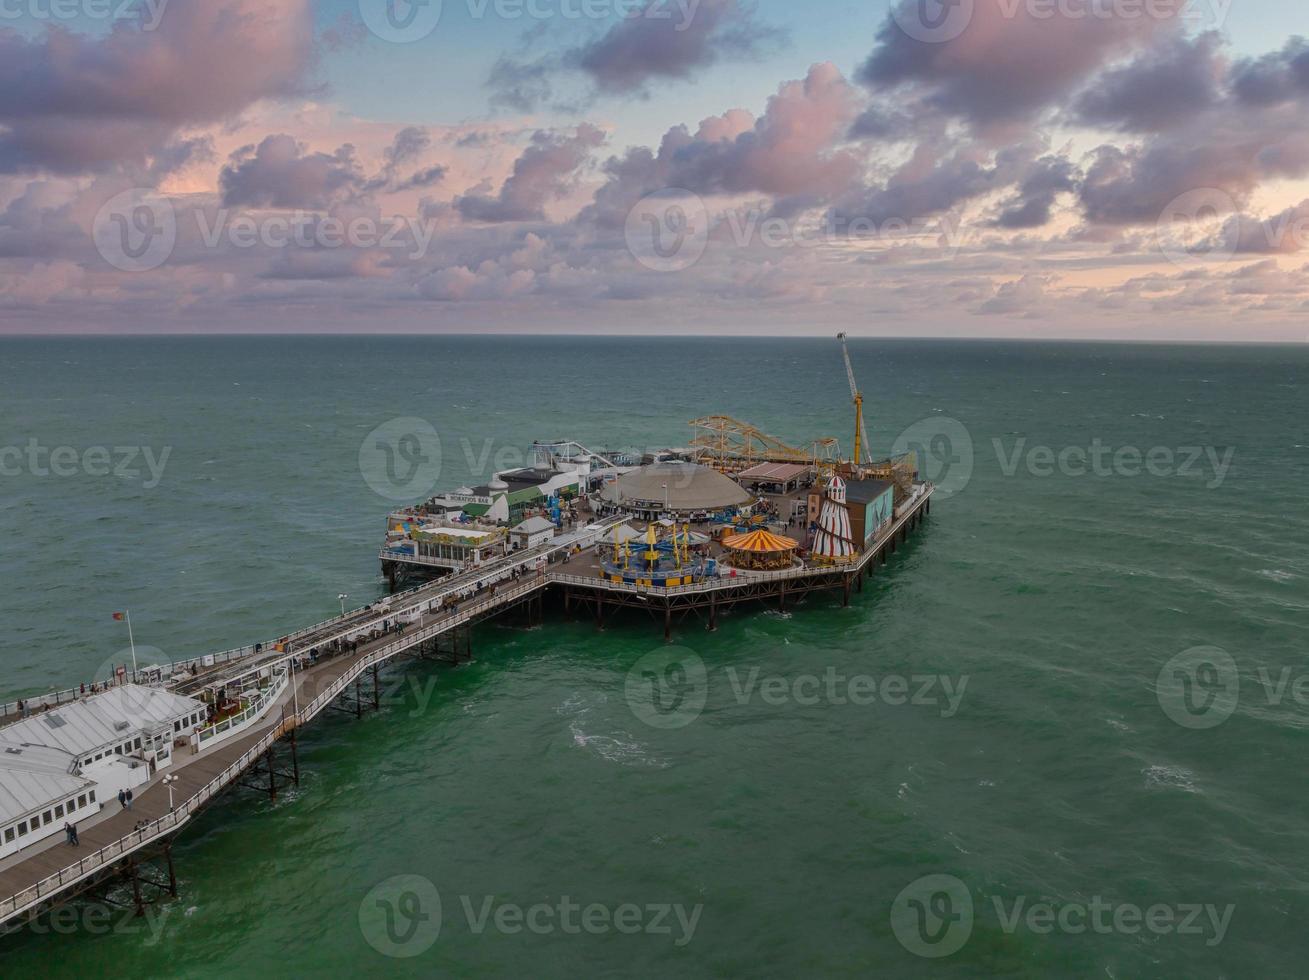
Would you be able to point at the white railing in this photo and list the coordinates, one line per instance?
(55, 883)
(254, 710)
(30, 897)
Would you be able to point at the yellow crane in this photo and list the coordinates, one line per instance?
(861, 444)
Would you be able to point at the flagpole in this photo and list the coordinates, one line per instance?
(128, 615)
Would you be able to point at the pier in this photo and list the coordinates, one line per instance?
(118, 845)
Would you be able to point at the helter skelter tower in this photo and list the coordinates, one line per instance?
(833, 541)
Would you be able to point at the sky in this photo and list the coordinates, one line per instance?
(1096, 169)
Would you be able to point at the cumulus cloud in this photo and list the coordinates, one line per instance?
(280, 173)
(794, 150)
(660, 41)
(1164, 85)
(74, 104)
(543, 173)
(1274, 78)
(1022, 297)
(1008, 65)
(1040, 188)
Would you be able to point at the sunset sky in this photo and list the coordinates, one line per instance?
(1116, 169)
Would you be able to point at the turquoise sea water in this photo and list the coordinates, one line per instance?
(1053, 600)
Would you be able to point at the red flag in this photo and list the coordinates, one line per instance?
(118, 617)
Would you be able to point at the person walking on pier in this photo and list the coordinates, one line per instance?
(129, 799)
(71, 831)
(122, 799)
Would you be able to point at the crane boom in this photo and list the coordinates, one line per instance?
(862, 453)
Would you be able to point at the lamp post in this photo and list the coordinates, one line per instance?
(168, 781)
(341, 598)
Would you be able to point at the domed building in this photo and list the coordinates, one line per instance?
(678, 490)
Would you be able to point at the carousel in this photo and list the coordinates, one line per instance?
(677, 558)
(760, 551)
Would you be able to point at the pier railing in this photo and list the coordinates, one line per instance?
(168, 823)
(463, 615)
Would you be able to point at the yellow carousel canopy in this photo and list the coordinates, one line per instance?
(760, 542)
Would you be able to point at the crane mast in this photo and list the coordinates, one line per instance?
(861, 444)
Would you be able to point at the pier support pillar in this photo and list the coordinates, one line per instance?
(377, 690)
(359, 698)
(859, 583)
(272, 775)
(172, 874)
(295, 768)
(845, 590)
(133, 869)
(668, 622)
(713, 614)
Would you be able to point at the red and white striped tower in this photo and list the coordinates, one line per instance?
(833, 541)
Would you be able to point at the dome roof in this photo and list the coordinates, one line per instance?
(683, 486)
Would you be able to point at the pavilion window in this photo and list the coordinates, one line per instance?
(59, 810)
(9, 835)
